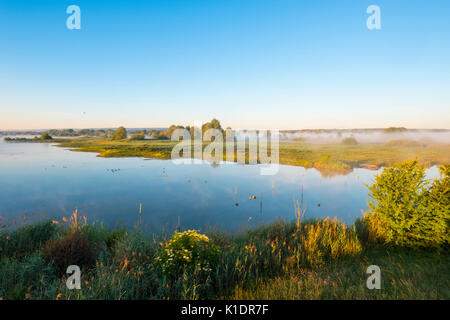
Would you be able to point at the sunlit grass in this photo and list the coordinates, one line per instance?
(313, 259)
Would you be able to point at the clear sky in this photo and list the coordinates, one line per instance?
(286, 64)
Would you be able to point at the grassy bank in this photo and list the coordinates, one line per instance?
(328, 158)
(299, 260)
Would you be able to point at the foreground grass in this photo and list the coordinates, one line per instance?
(329, 158)
(405, 274)
(299, 260)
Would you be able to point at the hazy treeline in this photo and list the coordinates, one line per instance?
(368, 135)
(371, 135)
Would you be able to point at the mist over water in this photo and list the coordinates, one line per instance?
(424, 136)
(39, 179)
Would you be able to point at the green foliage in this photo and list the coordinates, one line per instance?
(139, 136)
(27, 239)
(350, 141)
(120, 134)
(213, 124)
(342, 159)
(407, 210)
(189, 252)
(394, 129)
(316, 259)
(27, 278)
(45, 136)
(74, 249)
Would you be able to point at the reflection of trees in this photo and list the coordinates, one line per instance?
(332, 172)
(214, 164)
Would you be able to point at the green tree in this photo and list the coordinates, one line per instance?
(171, 129)
(139, 136)
(412, 211)
(46, 136)
(120, 134)
(350, 141)
(214, 124)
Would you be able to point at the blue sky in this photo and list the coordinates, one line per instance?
(285, 64)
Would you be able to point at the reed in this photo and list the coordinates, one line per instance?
(308, 259)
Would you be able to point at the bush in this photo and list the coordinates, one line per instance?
(25, 240)
(140, 136)
(120, 134)
(74, 249)
(350, 141)
(187, 252)
(406, 210)
(46, 136)
(27, 278)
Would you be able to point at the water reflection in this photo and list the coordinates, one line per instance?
(41, 179)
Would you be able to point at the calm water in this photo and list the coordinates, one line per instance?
(44, 180)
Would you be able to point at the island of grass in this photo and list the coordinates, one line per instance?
(330, 158)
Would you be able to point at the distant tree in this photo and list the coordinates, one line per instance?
(120, 134)
(350, 141)
(109, 133)
(171, 129)
(46, 136)
(394, 129)
(99, 133)
(214, 124)
(139, 136)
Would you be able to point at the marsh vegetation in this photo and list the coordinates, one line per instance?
(304, 259)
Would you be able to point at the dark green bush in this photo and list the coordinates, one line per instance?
(27, 278)
(25, 240)
(408, 209)
(74, 249)
(350, 141)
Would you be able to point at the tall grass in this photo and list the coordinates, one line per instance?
(302, 259)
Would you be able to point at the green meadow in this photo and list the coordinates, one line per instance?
(328, 158)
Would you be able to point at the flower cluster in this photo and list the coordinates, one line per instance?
(187, 251)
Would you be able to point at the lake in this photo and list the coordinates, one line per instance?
(41, 180)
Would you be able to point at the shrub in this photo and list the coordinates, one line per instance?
(27, 278)
(120, 134)
(350, 141)
(394, 129)
(140, 136)
(46, 136)
(187, 252)
(406, 210)
(74, 249)
(25, 240)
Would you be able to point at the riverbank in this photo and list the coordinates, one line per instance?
(404, 236)
(328, 158)
(320, 259)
